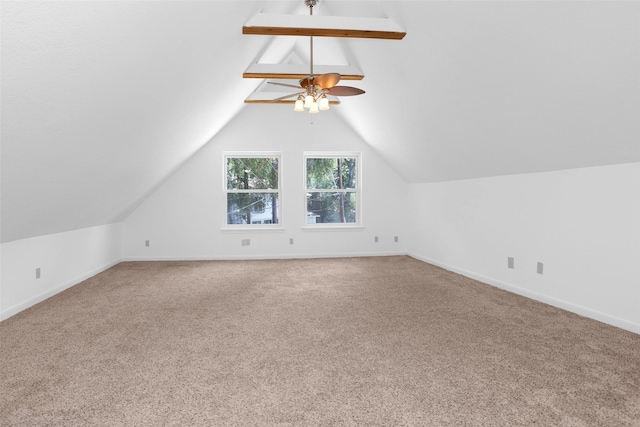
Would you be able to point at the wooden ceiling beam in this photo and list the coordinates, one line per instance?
(292, 76)
(269, 24)
(297, 72)
(268, 97)
(281, 101)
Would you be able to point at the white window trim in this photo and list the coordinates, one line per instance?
(351, 226)
(243, 228)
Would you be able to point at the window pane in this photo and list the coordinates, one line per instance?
(252, 208)
(325, 174)
(252, 173)
(339, 207)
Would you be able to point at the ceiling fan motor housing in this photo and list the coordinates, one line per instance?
(307, 81)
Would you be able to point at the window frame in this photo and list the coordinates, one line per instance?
(225, 191)
(357, 190)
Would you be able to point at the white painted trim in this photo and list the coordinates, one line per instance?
(251, 228)
(11, 311)
(577, 309)
(336, 226)
(259, 257)
(582, 311)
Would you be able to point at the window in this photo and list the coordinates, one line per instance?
(333, 188)
(252, 187)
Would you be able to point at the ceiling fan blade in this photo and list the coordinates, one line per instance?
(344, 91)
(327, 81)
(284, 84)
(291, 95)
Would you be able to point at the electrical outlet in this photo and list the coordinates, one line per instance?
(540, 268)
(395, 239)
(375, 239)
(146, 243)
(510, 262)
(291, 241)
(246, 242)
(38, 273)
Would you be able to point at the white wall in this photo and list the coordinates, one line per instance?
(183, 218)
(582, 224)
(64, 259)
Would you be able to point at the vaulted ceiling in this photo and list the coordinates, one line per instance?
(103, 100)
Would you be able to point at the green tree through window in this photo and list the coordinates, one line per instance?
(332, 189)
(252, 187)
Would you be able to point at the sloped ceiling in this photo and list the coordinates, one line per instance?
(101, 101)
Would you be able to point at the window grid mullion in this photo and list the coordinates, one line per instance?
(271, 190)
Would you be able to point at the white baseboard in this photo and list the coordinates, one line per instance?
(582, 311)
(258, 257)
(577, 309)
(11, 311)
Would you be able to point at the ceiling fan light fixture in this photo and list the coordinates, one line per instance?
(316, 87)
(308, 100)
(324, 103)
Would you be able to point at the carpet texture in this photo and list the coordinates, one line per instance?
(381, 341)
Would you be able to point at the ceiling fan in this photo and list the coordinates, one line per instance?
(314, 89)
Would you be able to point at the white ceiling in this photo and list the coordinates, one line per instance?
(103, 100)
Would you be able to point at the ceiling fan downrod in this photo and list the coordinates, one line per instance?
(310, 4)
(316, 88)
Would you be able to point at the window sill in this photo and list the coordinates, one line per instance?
(252, 229)
(332, 227)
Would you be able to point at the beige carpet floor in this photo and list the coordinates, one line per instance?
(383, 341)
